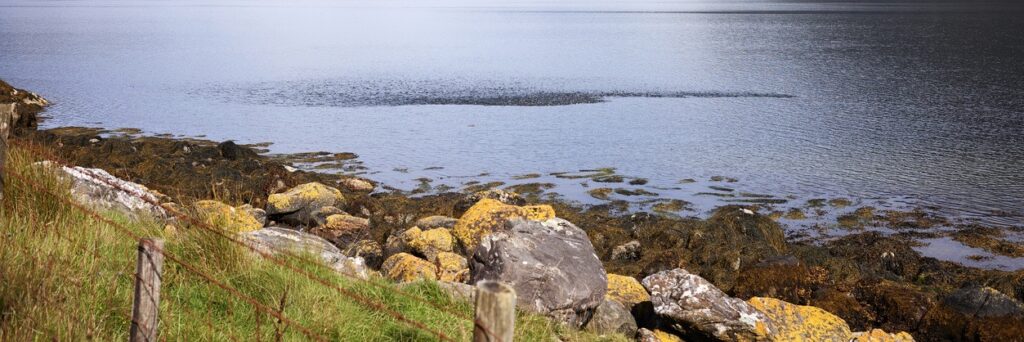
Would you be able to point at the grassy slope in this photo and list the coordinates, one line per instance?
(67, 276)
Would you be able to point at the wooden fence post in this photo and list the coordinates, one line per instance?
(6, 116)
(495, 312)
(146, 306)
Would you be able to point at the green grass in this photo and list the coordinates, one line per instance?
(65, 275)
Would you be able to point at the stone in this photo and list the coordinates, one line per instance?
(369, 250)
(879, 335)
(429, 243)
(451, 267)
(801, 323)
(436, 221)
(612, 317)
(627, 251)
(259, 214)
(983, 302)
(405, 267)
(297, 205)
(273, 240)
(343, 229)
(226, 217)
(503, 196)
(626, 290)
(101, 190)
(696, 306)
(551, 265)
(489, 216)
(356, 185)
(644, 335)
(321, 215)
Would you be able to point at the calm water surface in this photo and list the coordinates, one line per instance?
(899, 104)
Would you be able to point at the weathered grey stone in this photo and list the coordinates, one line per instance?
(273, 240)
(696, 306)
(983, 302)
(551, 265)
(99, 189)
(612, 317)
(259, 214)
(627, 251)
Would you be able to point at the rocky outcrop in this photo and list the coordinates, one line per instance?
(626, 290)
(298, 205)
(19, 109)
(551, 265)
(612, 317)
(220, 215)
(404, 268)
(274, 240)
(488, 216)
(99, 189)
(801, 323)
(697, 307)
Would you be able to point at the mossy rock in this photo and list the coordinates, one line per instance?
(488, 216)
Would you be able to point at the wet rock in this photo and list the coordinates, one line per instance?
(627, 251)
(342, 229)
(801, 323)
(231, 151)
(612, 317)
(274, 240)
(404, 268)
(503, 196)
(226, 217)
(451, 267)
(879, 335)
(551, 265)
(297, 205)
(626, 290)
(975, 314)
(600, 193)
(356, 185)
(369, 250)
(983, 302)
(644, 335)
(437, 221)
(489, 216)
(608, 179)
(697, 307)
(99, 189)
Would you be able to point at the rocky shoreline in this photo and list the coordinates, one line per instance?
(732, 276)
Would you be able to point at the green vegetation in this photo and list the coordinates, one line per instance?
(65, 275)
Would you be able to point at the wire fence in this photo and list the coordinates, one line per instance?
(278, 323)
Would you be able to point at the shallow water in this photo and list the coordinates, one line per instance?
(909, 105)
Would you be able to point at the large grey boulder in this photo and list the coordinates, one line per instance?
(274, 240)
(612, 317)
(101, 190)
(697, 307)
(551, 264)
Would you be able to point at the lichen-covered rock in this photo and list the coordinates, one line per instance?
(644, 335)
(503, 196)
(342, 229)
(259, 214)
(695, 306)
(429, 243)
(627, 251)
(489, 216)
(879, 335)
(274, 240)
(356, 185)
(801, 323)
(405, 267)
(451, 267)
(369, 250)
(99, 189)
(551, 264)
(321, 214)
(436, 221)
(626, 290)
(297, 205)
(226, 217)
(612, 317)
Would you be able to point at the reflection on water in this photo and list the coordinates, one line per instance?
(922, 106)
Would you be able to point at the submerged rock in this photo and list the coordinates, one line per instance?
(489, 216)
(298, 205)
(274, 240)
(551, 265)
(697, 307)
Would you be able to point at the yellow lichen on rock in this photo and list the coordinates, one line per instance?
(430, 242)
(302, 195)
(488, 215)
(451, 267)
(626, 290)
(801, 323)
(879, 335)
(346, 223)
(405, 267)
(221, 215)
